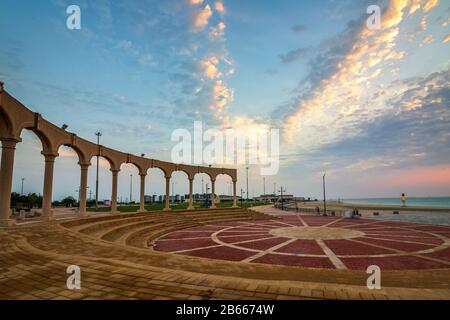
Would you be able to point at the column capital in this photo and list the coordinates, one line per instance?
(49, 157)
(9, 143)
(143, 174)
(84, 166)
(115, 171)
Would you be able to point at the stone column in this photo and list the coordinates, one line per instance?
(83, 190)
(142, 199)
(213, 194)
(167, 207)
(6, 177)
(191, 199)
(234, 195)
(115, 174)
(47, 213)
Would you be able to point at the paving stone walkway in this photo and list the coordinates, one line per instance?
(116, 263)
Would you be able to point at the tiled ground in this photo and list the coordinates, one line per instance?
(116, 262)
(391, 245)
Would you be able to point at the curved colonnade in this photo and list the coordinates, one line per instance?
(15, 117)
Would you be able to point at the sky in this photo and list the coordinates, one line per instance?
(368, 107)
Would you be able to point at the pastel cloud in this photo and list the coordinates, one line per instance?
(423, 23)
(218, 31)
(195, 2)
(427, 39)
(219, 7)
(436, 175)
(201, 18)
(222, 96)
(343, 98)
(209, 67)
(430, 4)
(446, 38)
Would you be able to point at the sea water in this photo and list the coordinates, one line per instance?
(440, 202)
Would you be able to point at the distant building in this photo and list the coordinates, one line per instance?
(275, 198)
(225, 197)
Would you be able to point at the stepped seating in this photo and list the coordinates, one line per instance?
(140, 229)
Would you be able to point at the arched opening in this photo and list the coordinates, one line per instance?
(155, 186)
(179, 190)
(104, 185)
(28, 177)
(66, 182)
(224, 191)
(128, 188)
(202, 189)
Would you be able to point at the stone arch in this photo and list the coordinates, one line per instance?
(128, 169)
(197, 185)
(82, 157)
(47, 147)
(66, 181)
(219, 184)
(155, 179)
(112, 164)
(6, 125)
(139, 167)
(167, 173)
(176, 186)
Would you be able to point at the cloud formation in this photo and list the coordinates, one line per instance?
(293, 55)
(209, 67)
(298, 28)
(201, 18)
(219, 7)
(218, 31)
(351, 93)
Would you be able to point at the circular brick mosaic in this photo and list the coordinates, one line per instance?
(317, 242)
(316, 233)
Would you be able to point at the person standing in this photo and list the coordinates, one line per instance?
(403, 198)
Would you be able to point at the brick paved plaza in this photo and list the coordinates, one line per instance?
(125, 257)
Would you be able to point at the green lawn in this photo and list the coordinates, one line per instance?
(178, 206)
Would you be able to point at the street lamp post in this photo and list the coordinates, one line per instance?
(281, 193)
(207, 190)
(21, 193)
(173, 191)
(324, 197)
(264, 186)
(247, 181)
(98, 134)
(131, 188)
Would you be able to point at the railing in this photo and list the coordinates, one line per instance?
(293, 207)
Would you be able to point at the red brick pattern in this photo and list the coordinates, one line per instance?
(390, 245)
